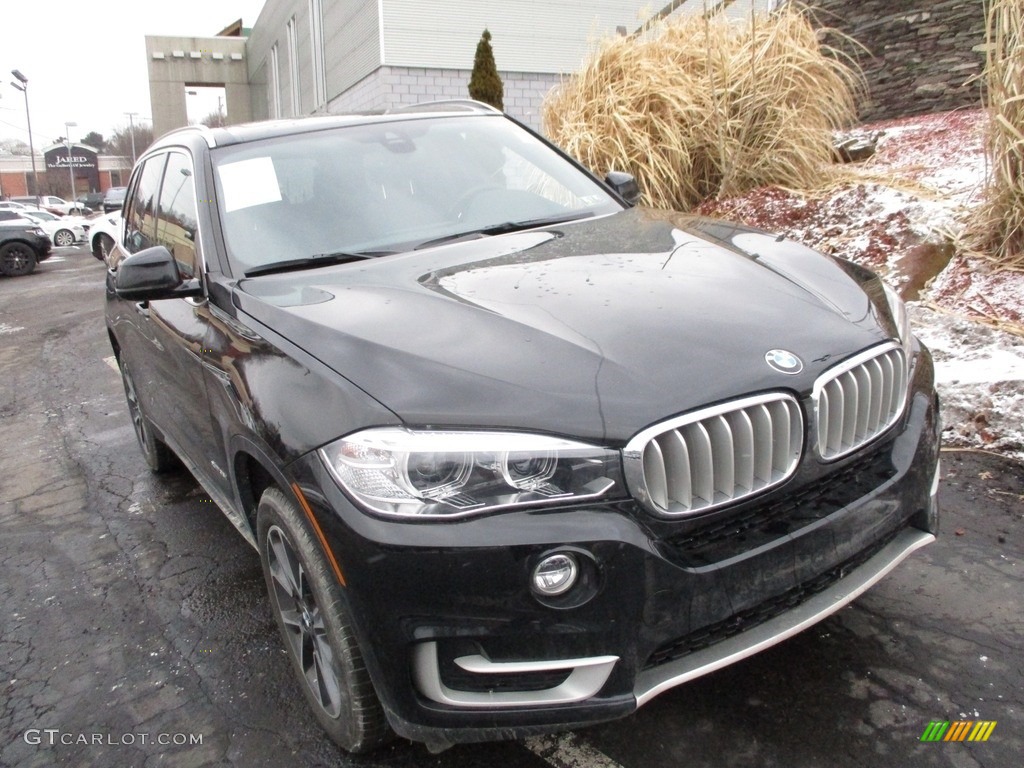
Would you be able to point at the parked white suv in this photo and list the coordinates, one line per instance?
(104, 231)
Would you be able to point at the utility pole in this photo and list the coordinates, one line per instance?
(131, 127)
(71, 170)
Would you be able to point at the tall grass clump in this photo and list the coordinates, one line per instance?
(1000, 230)
(702, 107)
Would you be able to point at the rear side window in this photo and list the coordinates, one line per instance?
(176, 218)
(140, 221)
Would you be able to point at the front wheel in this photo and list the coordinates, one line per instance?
(17, 259)
(315, 625)
(64, 238)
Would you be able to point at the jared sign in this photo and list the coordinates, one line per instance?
(81, 156)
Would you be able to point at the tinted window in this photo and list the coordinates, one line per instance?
(176, 221)
(140, 222)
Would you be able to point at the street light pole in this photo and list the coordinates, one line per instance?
(23, 87)
(71, 169)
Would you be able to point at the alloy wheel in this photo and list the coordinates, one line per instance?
(306, 632)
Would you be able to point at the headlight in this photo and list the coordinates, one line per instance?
(39, 232)
(396, 471)
(898, 310)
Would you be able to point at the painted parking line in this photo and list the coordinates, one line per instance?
(566, 750)
(112, 362)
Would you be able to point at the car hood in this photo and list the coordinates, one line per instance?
(593, 329)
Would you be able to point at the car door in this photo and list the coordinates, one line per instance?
(173, 330)
(138, 344)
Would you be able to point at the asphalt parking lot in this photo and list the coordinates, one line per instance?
(135, 630)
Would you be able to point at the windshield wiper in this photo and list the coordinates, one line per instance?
(316, 260)
(506, 227)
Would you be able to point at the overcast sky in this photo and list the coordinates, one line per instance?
(86, 61)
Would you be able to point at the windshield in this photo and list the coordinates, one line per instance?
(392, 186)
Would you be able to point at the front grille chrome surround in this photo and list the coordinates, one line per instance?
(859, 399)
(715, 456)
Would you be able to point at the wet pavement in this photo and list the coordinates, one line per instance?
(135, 631)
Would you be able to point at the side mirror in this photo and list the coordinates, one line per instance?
(153, 274)
(624, 185)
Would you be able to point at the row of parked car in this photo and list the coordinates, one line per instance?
(28, 232)
(85, 204)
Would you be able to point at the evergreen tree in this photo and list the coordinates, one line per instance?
(94, 140)
(485, 83)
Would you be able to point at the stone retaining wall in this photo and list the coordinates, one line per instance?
(922, 56)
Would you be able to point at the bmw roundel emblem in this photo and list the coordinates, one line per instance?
(783, 361)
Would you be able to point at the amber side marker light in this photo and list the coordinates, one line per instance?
(319, 533)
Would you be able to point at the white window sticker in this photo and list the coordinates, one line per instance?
(249, 182)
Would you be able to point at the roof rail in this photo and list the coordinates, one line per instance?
(445, 105)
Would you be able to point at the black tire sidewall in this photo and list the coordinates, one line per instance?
(159, 458)
(360, 726)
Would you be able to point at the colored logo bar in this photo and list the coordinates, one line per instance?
(958, 730)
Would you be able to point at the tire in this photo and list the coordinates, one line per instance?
(64, 238)
(158, 456)
(101, 246)
(310, 612)
(17, 259)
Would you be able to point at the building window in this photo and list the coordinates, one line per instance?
(274, 84)
(316, 39)
(293, 68)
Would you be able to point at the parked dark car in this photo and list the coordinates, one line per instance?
(22, 245)
(113, 199)
(91, 200)
(515, 455)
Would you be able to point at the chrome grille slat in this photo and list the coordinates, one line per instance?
(743, 442)
(877, 390)
(654, 471)
(677, 455)
(761, 421)
(859, 399)
(851, 399)
(888, 372)
(723, 460)
(717, 455)
(702, 468)
(863, 380)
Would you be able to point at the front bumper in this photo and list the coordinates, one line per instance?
(460, 649)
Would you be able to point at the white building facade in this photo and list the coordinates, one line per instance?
(329, 56)
(305, 57)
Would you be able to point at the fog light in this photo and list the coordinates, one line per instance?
(555, 574)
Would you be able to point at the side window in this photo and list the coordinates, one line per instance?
(176, 218)
(140, 217)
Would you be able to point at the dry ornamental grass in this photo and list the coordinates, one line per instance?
(704, 107)
(1001, 223)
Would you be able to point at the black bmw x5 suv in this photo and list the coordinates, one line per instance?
(515, 454)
